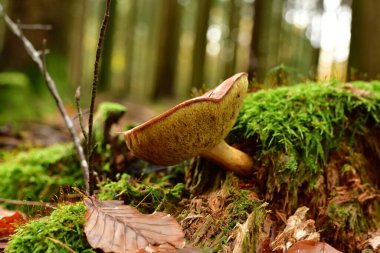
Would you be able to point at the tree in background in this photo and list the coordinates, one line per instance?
(265, 37)
(364, 56)
(199, 52)
(168, 43)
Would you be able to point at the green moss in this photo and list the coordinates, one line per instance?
(349, 216)
(106, 114)
(212, 219)
(176, 193)
(249, 240)
(299, 125)
(147, 196)
(40, 173)
(242, 205)
(65, 225)
(14, 91)
(123, 187)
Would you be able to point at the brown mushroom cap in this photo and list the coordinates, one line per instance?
(190, 128)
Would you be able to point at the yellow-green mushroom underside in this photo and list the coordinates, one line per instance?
(195, 127)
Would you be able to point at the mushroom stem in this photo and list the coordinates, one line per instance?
(230, 158)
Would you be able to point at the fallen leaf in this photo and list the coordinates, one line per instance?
(9, 221)
(118, 228)
(373, 241)
(309, 246)
(297, 229)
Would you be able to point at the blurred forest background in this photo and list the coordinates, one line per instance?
(158, 50)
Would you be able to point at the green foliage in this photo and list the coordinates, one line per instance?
(301, 124)
(13, 79)
(14, 91)
(38, 174)
(65, 225)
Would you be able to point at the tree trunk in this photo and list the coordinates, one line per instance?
(199, 53)
(232, 41)
(76, 43)
(265, 37)
(167, 50)
(106, 60)
(364, 59)
(129, 45)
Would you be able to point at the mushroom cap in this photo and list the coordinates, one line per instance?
(191, 127)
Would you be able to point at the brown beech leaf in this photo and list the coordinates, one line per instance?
(297, 229)
(309, 246)
(114, 227)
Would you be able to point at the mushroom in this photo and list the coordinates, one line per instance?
(197, 126)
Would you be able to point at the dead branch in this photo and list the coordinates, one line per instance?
(26, 203)
(93, 94)
(35, 27)
(80, 113)
(36, 57)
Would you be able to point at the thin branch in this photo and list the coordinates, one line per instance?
(61, 244)
(26, 203)
(93, 94)
(80, 114)
(84, 112)
(35, 27)
(53, 90)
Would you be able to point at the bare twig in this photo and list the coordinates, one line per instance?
(80, 114)
(26, 203)
(93, 94)
(61, 244)
(35, 27)
(53, 90)
(84, 112)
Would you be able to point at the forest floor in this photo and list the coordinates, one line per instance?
(316, 184)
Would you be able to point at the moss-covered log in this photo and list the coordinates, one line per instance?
(314, 145)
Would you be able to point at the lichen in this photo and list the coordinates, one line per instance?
(61, 230)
